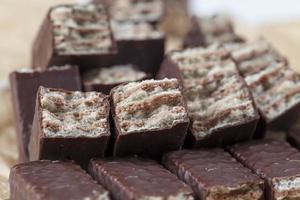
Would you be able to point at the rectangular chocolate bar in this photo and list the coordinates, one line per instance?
(136, 178)
(140, 44)
(24, 85)
(69, 126)
(104, 79)
(150, 118)
(275, 86)
(77, 34)
(213, 175)
(276, 162)
(150, 11)
(220, 106)
(206, 31)
(49, 180)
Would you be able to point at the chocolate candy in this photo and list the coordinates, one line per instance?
(150, 117)
(135, 178)
(49, 180)
(104, 79)
(220, 105)
(276, 162)
(213, 174)
(69, 125)
(140, 44)
(24, 85)
(275, 86)
(205, 31)
(75, 34)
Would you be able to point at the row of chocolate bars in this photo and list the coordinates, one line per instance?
(220, 91)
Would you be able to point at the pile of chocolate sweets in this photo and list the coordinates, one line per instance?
(104, 113)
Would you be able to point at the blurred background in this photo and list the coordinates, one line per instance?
(278, 21)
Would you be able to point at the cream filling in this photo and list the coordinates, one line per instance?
(287, 188)
(73, 114)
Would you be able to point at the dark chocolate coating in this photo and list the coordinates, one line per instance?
(53, 180)
(148, 143)
(24, 86)
(135, 178)
(80, 149)
(293, 136)
(146, 54)
(270, 159)
(223, 136)
(205, 170)
(44, 55)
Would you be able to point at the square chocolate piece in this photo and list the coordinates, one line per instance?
(69, 126)
(276, 162)
(213, 175)
(104, 79)
(77, 34)
(136, 178)
(150, 118)
(220, 105)
(49, 180)
(24, 85)
(274, 85)
(206, 31)
(139, 43)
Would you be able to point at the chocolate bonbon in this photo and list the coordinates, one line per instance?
(136, 178)
(276, 162)
(69, 126)
(77, 34)
(24, 85)
(220, 105)
(50, 180)
(213, 174)
(150, 117)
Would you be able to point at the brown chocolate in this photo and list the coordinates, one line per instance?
(49, 180)
(150, 117)
(220, 105)
(276, 162)
(77, 34)
(136, 178)
(213, 175)
(69, 126)
(24, 85)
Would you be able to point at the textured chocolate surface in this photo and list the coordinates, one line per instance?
(148, 110)
(276, 162)
(135, 178)
(205, 31)
(74, 34)
(219, 102)
(69, 125)
(275, 86)
(214, 174)
(53, 180)
(24, 85)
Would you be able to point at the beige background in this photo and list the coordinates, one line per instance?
(19, 21)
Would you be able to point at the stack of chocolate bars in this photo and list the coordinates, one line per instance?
(101, 115)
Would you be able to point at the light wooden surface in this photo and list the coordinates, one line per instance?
(19, 21)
